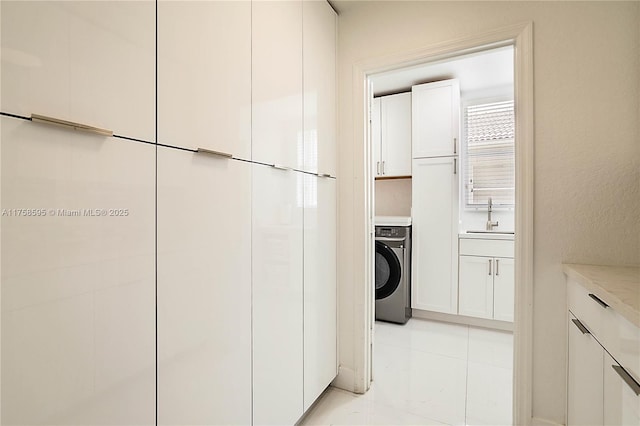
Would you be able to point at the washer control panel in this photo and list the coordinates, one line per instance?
(392, 231)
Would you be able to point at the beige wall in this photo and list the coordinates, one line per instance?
(587, 145)
(393, 197)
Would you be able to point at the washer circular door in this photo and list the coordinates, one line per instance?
(388, 273)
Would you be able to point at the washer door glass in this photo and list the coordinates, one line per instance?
(388, 272)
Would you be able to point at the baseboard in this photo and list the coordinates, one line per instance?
(537, 421)
(345, 379)
(461, 319)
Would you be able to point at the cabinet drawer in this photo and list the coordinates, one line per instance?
(489, 248)
(622, 340)
(616, 334)
(585, 308)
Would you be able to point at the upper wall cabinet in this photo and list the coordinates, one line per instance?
(319, 75)
(87, 62)
(436, 119)
(277, 122)
(391, 135)
(78, 277)
(204, 75)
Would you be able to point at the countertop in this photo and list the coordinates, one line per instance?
(617, 286)
(486, 236)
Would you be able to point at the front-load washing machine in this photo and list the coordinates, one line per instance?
(393, 269)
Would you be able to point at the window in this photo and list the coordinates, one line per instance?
(489, 157)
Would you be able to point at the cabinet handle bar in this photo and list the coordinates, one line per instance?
(70, 124)
(490, 266)
(455, 145)
(580, 326)
(597, 299)
(455, 166)
(212, 152)
(635, 386)
(497, 267)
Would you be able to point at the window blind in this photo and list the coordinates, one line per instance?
(489, 156)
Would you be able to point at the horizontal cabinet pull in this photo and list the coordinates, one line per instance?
(580, 326)
(325, 175)
(597, 299)
(635, 386)
(279, 167)
(212, 152)
(70, 124)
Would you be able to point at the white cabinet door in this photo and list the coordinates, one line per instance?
(276, 83)
(396, 135)
(503, 289)
(436, 119)
(204, 289)
(376, 136)
(585, 381)
(621, 399)
(204, 75)
(435, 237)
(86, 62)
(319, 76)
(277, 295)
(475, 289)
(78, 278)
(320, 315)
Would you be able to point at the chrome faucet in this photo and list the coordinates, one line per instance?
(490, 224)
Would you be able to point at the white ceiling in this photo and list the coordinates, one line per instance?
(475, 72)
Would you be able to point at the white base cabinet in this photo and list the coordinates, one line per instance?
(602, 380)
(434, 262)
(584, 377)
(78, 277)
(277, 295)
(621, 399)
(204, 285)
(486, 278)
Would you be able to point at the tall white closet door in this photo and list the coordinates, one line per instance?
(204, 289)
(78, 277)
(434, 280)
(320, 315)
(91, 62)
(277, 214)
(276, 83)
(319, 75)
(204, 75)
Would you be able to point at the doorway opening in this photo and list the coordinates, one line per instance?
(517, 40)
(442, 137)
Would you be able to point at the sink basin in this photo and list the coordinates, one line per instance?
(491, 232)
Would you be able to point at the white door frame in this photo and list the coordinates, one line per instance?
(521, 37)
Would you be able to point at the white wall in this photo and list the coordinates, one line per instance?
(587, 146)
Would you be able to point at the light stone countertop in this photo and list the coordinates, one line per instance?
(617, 286)
(486, 236)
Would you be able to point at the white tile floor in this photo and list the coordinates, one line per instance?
(429, 373)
